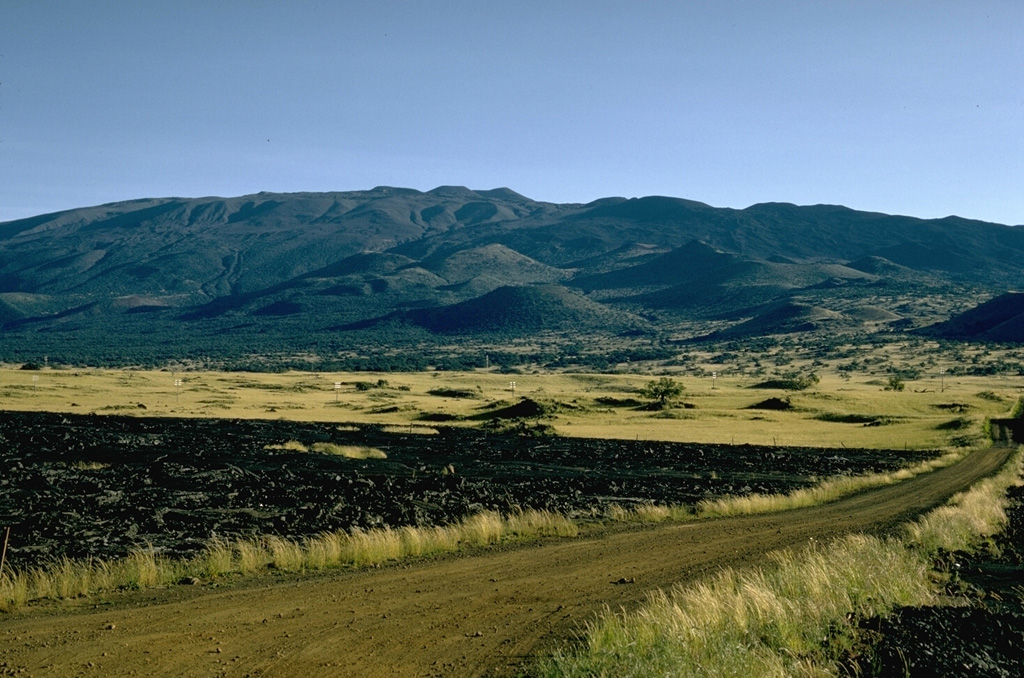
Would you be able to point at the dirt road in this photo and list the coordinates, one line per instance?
(483, 614)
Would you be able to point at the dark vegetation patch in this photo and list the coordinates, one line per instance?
(864, 419)
(618, 402)
(958, 424)
(526, 408)
(445, 392)
(88, 485)
(959, 408)
(439, 416)
(843, 418)
(773, 403)
(789, 383)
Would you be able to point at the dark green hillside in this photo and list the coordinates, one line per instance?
(691, 262)
(783, 318)
(495, 261)
(1000, 319)
(521, 311)
(280, 273)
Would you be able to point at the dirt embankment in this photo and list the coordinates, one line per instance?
(481, 614)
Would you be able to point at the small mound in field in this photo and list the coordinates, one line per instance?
(519, 427)
(778, 404)
(957, 424)
(453, 393)
(438, 416)
(618, 402)
(527, 408)
(959, 408)
(844, 418)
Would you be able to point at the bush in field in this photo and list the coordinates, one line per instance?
(453, 393)
(791, 382)
(895, 383)
(662, 391)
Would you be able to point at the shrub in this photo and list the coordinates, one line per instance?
(453, 393)
(662, 391)
(895, 383)
(791, 382)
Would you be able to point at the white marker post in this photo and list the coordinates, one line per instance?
(35, 382)
(942, 380)
(177, 389)
(512, 386)
(714, 375)
(337, 389)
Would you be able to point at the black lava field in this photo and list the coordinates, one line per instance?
(85, 485)
(981, 638)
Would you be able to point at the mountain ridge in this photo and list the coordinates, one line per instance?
(280, 269)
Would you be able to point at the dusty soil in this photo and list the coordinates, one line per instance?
(81, 486)
(480, 614)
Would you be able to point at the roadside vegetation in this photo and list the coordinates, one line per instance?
(359, 548)
(797, 614)
(839, 407)
(831, 489)
(67, 578)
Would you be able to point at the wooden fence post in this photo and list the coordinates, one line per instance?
(3, 555)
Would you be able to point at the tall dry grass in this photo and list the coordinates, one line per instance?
(793, 615)
(826, 491)
(66, 578)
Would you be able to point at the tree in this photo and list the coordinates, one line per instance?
(895, 383)
(662, 391)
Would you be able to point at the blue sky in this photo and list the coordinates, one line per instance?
(907, 107)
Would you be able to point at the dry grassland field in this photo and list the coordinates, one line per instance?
(509, 604)
(931, 412)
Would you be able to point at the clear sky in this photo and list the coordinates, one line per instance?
(906, 107)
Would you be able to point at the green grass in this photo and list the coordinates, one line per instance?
(792, 616)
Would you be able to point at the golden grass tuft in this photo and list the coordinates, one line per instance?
(348, 451)
(289, 446)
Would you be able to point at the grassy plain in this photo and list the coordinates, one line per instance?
(857, 412)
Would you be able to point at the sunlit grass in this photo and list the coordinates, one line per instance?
(358, 548)
(831, 414)
(347, 451)
(792, 616)
(827, 491)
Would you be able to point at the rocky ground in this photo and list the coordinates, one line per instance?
(89, 485)
(984, 637)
